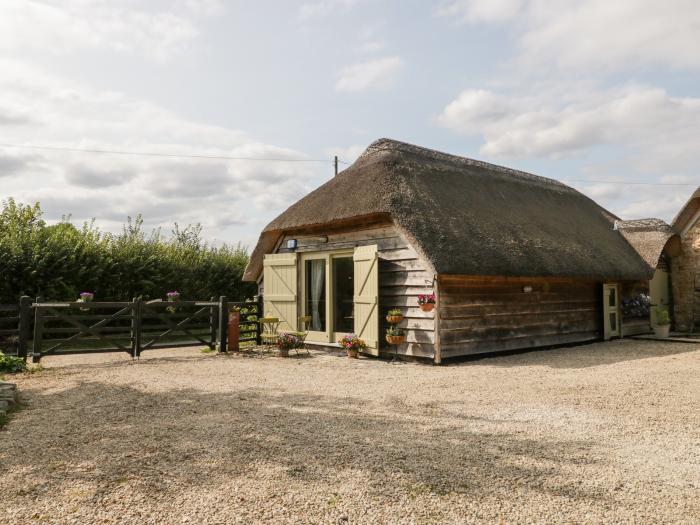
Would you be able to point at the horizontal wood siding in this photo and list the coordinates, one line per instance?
(403, 274)
(490, 314)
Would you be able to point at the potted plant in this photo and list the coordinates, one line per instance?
(287, 342)
(86, 297)
(173, 297)
(394, 316)
(395, 335)
(352, 344)
(663, 323)
(426, 302)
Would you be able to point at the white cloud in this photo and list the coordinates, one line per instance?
(64, 26)
(474, 11)
(644, 118)
(619, 34)
(321, 8)
(373, 74)
(593, 34)
(218, 193)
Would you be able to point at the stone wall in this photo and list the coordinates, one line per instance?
(685, 276)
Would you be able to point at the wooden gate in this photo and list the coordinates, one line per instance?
(130, 327)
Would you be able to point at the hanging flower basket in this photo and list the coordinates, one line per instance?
(394, 316)
(426, 302)
(395, 335)
(395, 339)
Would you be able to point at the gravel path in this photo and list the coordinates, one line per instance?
(603, 433)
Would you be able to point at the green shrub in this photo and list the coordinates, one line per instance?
(59, 261)
(11, 365)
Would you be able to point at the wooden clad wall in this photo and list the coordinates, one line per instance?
(403, 274)
(489, 314)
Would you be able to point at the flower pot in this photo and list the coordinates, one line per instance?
(662, 330)
(427, 307)
(394, 319)
(395, 339)
(284, 352)
(353, 354)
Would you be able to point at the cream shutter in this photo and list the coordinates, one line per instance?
(280, 291)
(366, 295)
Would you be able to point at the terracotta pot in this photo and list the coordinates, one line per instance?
(284, 352)
(427, 307)
(395, 339)
(662, 330)
(353, 354)
(394, 319)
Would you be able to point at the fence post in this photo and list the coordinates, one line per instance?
(136, 328)
(38, 332)
(25, 310)
(223, 323)
(259, 313)
(213, 323)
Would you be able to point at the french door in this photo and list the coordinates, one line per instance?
(327, 295)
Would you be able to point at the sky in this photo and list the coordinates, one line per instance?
(602, 95)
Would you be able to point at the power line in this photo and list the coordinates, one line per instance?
(276, 159)
(176, 155)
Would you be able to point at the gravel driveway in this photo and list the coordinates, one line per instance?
(602, 433)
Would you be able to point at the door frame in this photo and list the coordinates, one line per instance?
(329, 335)
(609, 333)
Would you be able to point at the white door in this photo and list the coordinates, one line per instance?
(280, 295)
(611, 311)
(659, 294)
(366, 295)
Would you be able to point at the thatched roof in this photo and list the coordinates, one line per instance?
(468, 217)
(649, 237)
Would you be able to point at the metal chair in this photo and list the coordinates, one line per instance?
(304, 322)
(268, 332)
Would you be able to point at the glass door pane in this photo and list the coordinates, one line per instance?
(315, 293)
(343, 314)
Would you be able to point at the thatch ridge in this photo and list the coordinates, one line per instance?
(648, 237)
(467, 216)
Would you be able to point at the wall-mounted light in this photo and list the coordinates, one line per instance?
(527, 289)
(291, 244)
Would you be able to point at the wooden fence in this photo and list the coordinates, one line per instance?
(39, 328)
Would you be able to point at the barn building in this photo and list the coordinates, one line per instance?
(515, 260)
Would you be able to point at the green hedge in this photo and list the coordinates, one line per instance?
(59, 261)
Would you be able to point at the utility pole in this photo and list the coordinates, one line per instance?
(335, 163)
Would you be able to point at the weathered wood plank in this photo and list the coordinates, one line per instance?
(482, 346)
(398, 254)
(401, 266)
(410, 349)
